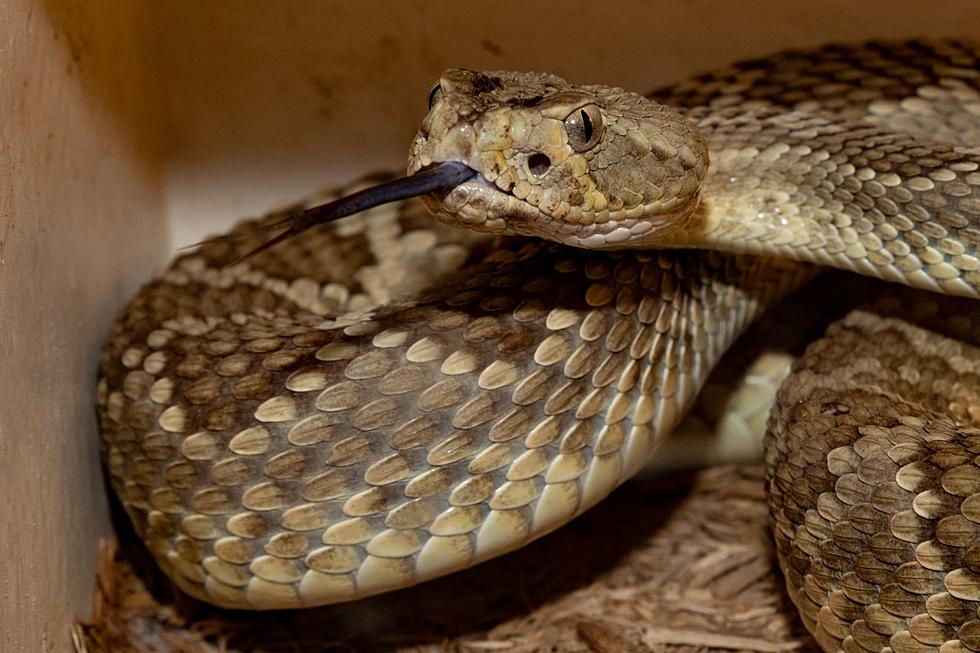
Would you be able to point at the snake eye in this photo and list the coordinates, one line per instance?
(584, 128)
(434, 94)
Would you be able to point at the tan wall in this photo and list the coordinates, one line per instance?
(80, 222)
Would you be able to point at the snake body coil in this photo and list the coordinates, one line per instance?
(385, 400)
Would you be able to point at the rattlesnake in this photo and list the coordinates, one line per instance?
(383, 400)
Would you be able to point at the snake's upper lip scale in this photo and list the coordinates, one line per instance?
(476, 176)
(444, 168)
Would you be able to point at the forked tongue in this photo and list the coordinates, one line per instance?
(443, 177)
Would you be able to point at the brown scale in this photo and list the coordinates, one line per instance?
(843, 81)
(873, 479)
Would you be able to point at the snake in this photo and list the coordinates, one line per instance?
(496, 341)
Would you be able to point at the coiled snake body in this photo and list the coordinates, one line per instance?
(384, 400)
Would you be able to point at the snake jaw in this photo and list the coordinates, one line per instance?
(480, 205)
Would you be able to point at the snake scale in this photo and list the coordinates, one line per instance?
(387, 399)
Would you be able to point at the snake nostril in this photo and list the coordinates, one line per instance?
(538, 164)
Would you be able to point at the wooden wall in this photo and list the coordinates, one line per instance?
(81, 222)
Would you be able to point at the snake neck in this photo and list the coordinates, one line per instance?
(867, 200)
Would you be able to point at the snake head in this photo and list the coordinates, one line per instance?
(589, 166)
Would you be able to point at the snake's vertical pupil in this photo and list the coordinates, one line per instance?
(586, 126)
